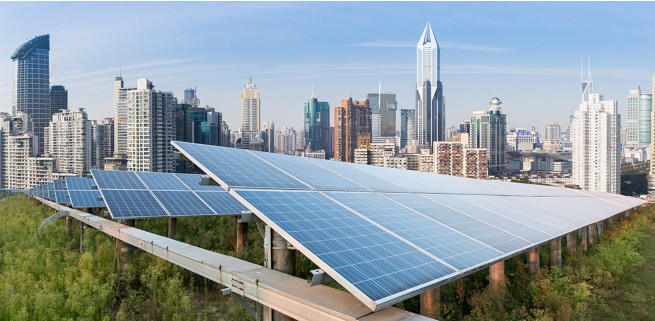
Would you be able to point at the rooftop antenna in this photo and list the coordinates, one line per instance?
(312, 91)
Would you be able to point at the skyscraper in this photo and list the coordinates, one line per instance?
(638, 121)
(407, 126)
(58, 99)
(102, 142)
(68, 140)
(191, 98)
(150, 128)
(430, 109)
(383, 110)
(250, 113)
(595, 136)
(120, 116)
(268, 136)
(31, 83)
(317, 125)
(352, 128)
(488, 131)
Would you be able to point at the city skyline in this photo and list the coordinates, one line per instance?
(510, 50)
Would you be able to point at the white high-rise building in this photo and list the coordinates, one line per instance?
(150, 128)
(21, 168)
(430, 109)
(102, 142)
(638, 122)
(595, 135)
(120, 116)
(250, 113)
(68, 141)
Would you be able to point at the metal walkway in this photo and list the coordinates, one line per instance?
(287, 294)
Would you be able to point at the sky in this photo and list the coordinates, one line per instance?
(526, 53)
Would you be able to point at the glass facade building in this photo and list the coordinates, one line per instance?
(31, 83)
(407, 126)
(317, 126)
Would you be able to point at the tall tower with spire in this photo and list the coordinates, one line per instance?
(430, 109)
(317, 126)
(250, 113)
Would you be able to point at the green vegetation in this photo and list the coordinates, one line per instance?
(45, 277)
(612, 281)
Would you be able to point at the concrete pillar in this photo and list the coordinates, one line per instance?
(172, 227)
(556, 252)
(69, 226)
(279, 258)
(571, 243)
(533, 262)
(583, 239)
(242, 238)
(431, 303)
(600, 228)
(592, 233)
(497, 275)
(82, 228)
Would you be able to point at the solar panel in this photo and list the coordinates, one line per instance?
(222, 202)
(431, 227)
(79, 183)
(117, 180)
(85, 199)
(173, 193)
(162, 181)
(364, 256)
(253, 172)
(132, 204)
(61, 197)
(183, 203)
(59, 185)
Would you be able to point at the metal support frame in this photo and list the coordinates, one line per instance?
(284, 293)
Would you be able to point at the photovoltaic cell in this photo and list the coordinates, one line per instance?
(79, 183)
(222, 202)
(162, 181)
(61, 197)
(85, 199)
(192, 181)
(132, 204)
(117, 180)
(183, 203)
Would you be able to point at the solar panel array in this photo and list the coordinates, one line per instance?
(82, 194)
(388, 234)
(151, 195)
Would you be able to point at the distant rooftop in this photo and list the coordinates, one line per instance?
(40, 42)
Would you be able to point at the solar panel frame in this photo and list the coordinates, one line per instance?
(85, 199)
(117, 180)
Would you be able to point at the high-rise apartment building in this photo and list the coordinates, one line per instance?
(120, 116)
(102, 142)
(488, 131)
(268, 136)
(352, 128)
(58, 99)
(31, 83)
(638, 122)
(453, 158)
(68, 140)
(150, 128)
(551, 132)
(407, 126)
(317, 126)
(383, 116)
(22, 169)
(430, 109)
(595, 136)
(250, 113)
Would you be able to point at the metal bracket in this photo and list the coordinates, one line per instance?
(206, 180)
(179, 156)
(51, 219)
(318, 277)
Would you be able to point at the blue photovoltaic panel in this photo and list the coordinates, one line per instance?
(457, 249)
(85, 199)
(162, 181)
(79, 183)
(183, 203)
(374, 262)
(61, 197)
(117, 180)
(253, 172)
(222, 202)
(132, 204)
(193, 182)
(59, 185)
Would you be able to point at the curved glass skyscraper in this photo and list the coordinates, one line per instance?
(31, 85)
